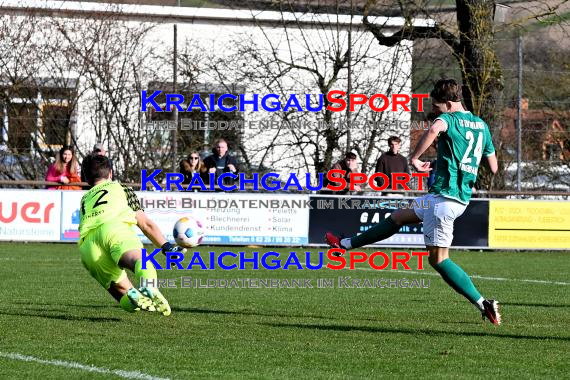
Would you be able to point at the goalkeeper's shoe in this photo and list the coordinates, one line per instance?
(140, 301)
(491, 312)
(159, 302)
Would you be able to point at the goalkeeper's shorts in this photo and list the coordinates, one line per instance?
(102, 248)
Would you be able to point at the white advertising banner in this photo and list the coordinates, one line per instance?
(238, 219)
(70, 203)
(234, 218)
(30, 215)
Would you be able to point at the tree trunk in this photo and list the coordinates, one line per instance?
(480, 69)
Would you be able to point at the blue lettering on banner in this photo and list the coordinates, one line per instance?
(269, 102)
(269, 260)
(150, 258)
(269, 182)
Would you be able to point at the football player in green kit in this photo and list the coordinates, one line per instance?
(463, 139)
(108, 244)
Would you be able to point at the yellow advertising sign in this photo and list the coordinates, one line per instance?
(529, 224)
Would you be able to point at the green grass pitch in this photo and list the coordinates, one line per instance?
(51, 310)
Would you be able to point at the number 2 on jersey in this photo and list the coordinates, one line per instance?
(98, 202)
(478, 152)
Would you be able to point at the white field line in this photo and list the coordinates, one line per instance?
(478, 277)
(547, 282)
(83, 367)
(472, 276)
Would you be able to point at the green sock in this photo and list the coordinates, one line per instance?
(458, 280)
(381, 231)
(126, 304)
(148, 274)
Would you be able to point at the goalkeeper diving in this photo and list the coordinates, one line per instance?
(109, 245)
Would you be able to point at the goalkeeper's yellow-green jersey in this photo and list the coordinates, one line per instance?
(107, 202)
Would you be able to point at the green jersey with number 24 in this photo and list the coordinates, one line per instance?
(459, 152)
(108, 202)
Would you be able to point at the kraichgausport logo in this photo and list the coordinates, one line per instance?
(336, 100)
(271, 181)
(271, 260)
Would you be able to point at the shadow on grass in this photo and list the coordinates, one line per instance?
(388, 330)
(243, 312)
(461, 323)
(527, 304)
(256, 313)
(62, 317)
(86, 306)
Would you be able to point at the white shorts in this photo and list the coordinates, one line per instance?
(438, 218)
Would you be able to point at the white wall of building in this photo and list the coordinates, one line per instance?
(220, 34)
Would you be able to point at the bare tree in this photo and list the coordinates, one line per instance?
(61, 64)
(113, 55)
(470, 40)
(468, 32)
(39, 94)
(313, 59)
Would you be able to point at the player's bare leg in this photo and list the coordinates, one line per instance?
(461, 283)
(129, 297)
(383, 230)
(404, 216)
(132, 260)
(437, 255)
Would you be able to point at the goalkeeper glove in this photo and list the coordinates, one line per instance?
(169, 247)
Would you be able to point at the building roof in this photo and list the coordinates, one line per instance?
(156, 13)
(381, 7)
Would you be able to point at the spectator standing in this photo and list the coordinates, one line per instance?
(98, 150)
(392, 162)
(65, 170)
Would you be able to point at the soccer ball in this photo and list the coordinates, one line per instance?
(188, 232)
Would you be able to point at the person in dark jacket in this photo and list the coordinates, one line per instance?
(99, 150)
(221, 162)
(191, 165)
(349, 165)
(392, 162)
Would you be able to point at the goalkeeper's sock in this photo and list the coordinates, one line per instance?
(146, 277)
(381, 231)
(459, 281)
(126, 304)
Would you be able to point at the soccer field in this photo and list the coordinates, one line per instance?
(57, 322)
